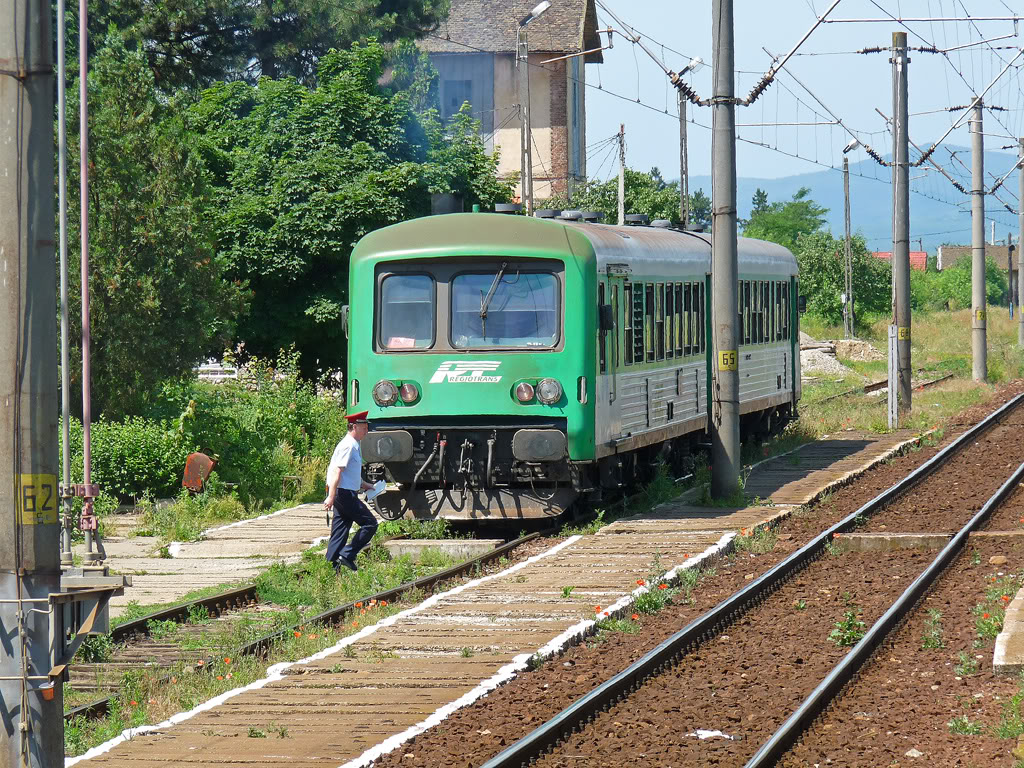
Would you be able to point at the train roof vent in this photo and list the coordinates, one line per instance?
(662, 223)
(591, 215)
(572, 215)
(637, 219)
(547, 213)
(508, 207)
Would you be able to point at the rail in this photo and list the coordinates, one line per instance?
(579, 712)
(260, 646)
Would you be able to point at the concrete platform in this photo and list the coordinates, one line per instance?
(411, 670)
(226, 555)
(460, 549)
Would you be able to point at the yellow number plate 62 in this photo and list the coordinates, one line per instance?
(37, 499)
(728, 360)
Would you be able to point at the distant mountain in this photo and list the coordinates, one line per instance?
(931, 221)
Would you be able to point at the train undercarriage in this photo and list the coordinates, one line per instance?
(519, 470)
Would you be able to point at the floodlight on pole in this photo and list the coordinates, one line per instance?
(694, 64)
(534, 14)
(851, 146)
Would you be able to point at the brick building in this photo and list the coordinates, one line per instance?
(474, 52)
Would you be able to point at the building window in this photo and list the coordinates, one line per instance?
(454, 94)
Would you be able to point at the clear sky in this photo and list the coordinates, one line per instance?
(852, 85)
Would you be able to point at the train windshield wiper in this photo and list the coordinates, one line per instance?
(490, 295)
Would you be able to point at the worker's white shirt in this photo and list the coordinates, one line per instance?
(348, 456)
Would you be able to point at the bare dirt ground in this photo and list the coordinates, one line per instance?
(476, 733)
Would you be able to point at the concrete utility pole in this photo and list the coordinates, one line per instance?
(725, 415)
(684, 172)
(848, 260)
(978, 316)
(31, 710)
(525, 128)
(901, 224)
(1020, 244)
(622, 174)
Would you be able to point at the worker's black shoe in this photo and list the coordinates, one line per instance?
(347, 563)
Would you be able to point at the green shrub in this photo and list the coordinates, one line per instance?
(260, 428)
(135, 458)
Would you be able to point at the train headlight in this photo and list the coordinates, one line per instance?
(409, 392)
(524, 392)
(385, 393)
(549, 391)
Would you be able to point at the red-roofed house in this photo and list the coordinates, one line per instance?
(918, 259)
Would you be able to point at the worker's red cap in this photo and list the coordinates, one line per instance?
(357, 418)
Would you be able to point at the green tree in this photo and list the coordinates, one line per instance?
(646, 193)
(159, 302)
(198, 42)
(951, 288)
(700, 211)
(822, 278)
(759, 203)
(784, 222)
(303, 172)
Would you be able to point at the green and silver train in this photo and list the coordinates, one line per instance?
(515, 366)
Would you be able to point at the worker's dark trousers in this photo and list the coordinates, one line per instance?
(349, 509)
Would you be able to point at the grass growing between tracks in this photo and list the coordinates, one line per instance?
(940, 345)
(150, 695)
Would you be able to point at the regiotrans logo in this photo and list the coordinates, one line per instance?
(466, 372)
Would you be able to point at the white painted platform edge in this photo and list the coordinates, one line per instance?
(276, 671)
(519, 663)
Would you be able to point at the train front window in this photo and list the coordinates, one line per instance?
(504, 308)
(407, 312)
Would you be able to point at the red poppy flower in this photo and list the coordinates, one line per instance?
(663, 586)
(636, 616)
(640, 582)
(984, 615)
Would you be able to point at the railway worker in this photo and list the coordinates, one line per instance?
(344, 481)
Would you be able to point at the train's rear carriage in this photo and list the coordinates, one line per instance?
(652, 373)
(769, 365)
(470, 343)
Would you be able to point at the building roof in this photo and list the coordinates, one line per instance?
(918, 259)
(951, 254)
(490, 26)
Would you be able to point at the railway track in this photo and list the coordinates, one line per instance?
(138, 650)
(590, 715)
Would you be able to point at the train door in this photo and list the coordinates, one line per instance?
(616, 293)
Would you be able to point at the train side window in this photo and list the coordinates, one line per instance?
(649, 330)
(670, 321)
(739, 310)
(615, 333)
(602, 337)
(771, 305)
(659, 320)
(778, 311)
(688, 319)
(701, 330)
(755, 315)
(627, 325)
(755, 311)
(680, 318)
(785, 310)
(638, 322)
(747, 335)
(766, 320)
(760, 311)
